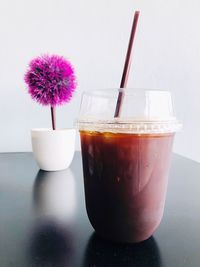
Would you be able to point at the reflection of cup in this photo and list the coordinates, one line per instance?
(51, 244)
(54, 194)
(126, 161)
(103, 253)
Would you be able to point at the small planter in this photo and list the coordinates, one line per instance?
(53, 149)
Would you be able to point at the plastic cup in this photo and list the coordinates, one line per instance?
(126, 160)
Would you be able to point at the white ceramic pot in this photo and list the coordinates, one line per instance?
(53, 149)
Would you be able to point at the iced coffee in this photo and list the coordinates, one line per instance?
(125, 165)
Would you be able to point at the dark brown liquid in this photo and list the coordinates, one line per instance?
(125, 177)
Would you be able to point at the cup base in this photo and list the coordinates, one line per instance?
(123, 240)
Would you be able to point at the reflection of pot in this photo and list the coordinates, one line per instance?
(53, 149)
(51, 244)
(106, 254)
(54, 194)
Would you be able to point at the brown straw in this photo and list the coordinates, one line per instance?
(127, 65)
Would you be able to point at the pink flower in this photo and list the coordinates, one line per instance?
(51, 80)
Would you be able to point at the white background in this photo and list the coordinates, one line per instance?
(93, 35)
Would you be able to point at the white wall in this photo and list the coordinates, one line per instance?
(94, 35)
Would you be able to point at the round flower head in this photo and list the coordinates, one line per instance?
(51, 80)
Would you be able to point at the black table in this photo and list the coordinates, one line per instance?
(43, 221)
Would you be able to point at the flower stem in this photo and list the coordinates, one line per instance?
(53, 117)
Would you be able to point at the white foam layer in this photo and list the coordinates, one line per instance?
(128, 126)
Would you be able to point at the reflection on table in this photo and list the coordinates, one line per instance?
(100, 252)
(54, 194)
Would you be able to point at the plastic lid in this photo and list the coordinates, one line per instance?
(143, 111)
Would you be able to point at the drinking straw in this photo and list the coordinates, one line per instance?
(127, 65)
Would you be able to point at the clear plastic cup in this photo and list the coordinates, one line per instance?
(126, 160)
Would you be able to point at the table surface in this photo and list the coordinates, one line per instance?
(43, 221)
